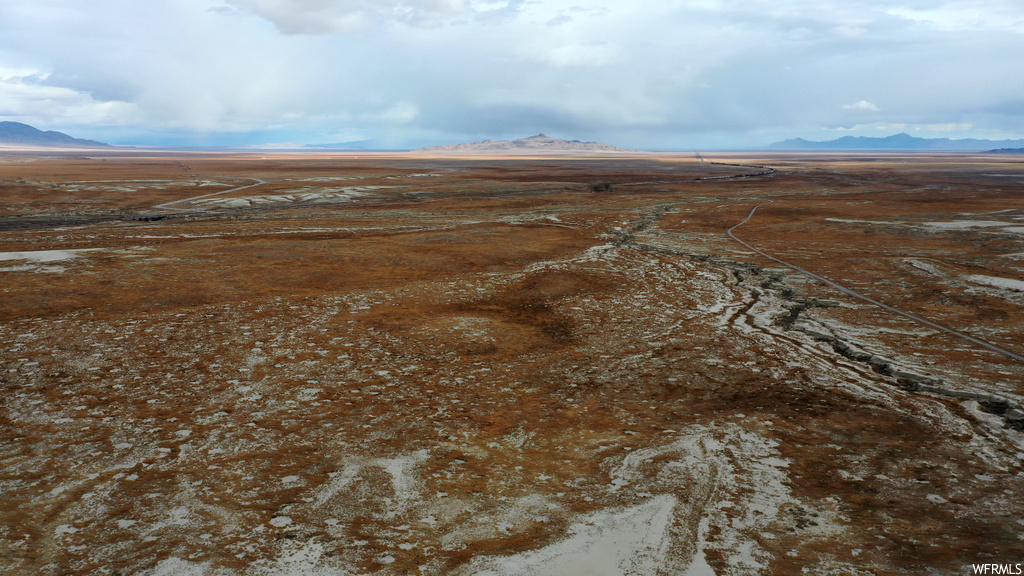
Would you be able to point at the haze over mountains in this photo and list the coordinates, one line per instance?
(23, 134)
(19, 134)
(900, 141)
(534, 144)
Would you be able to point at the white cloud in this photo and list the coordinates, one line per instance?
(881, 127)
(862, 106)
(11, 73)
(27, 97)
(947, 127)
(659, 74)
(588, 54)
(400, 112)
(966, 16)
(343, 16)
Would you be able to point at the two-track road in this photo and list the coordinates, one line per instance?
(870, 300)
(169, 205)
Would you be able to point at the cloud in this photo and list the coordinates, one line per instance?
(559, 20)
(947, 127)
(343, 16)
(966, 16)
(98, 84)
(591, 10)
(655, 74)
(497, 11)
(29, 97)
(595, 54)
(890, 127)
(862, 106)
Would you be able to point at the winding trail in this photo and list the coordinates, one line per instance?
(846, 290)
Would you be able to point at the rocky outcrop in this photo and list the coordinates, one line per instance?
(910, 380)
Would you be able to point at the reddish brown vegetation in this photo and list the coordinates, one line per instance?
(448, 369)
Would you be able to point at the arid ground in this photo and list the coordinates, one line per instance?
(247, 364)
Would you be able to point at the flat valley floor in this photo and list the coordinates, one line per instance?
(273, 364)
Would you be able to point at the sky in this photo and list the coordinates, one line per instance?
(661, 75)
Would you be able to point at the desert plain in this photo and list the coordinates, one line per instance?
(281, 364)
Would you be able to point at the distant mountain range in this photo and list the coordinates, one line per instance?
(896, 142)
(534, 144)
(25, 135)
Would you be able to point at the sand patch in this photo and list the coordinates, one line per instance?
(41, 260)
(966, 224)
(606, 543)
(1005, 283)
(43, 256)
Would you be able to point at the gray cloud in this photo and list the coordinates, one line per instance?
(723, 72)
(98, 84)
(559, 20)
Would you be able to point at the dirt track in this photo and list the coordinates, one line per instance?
(849, 292)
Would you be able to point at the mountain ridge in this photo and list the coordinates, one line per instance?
(901, 141)
(23, 134)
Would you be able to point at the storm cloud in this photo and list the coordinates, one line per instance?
(402, 73)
